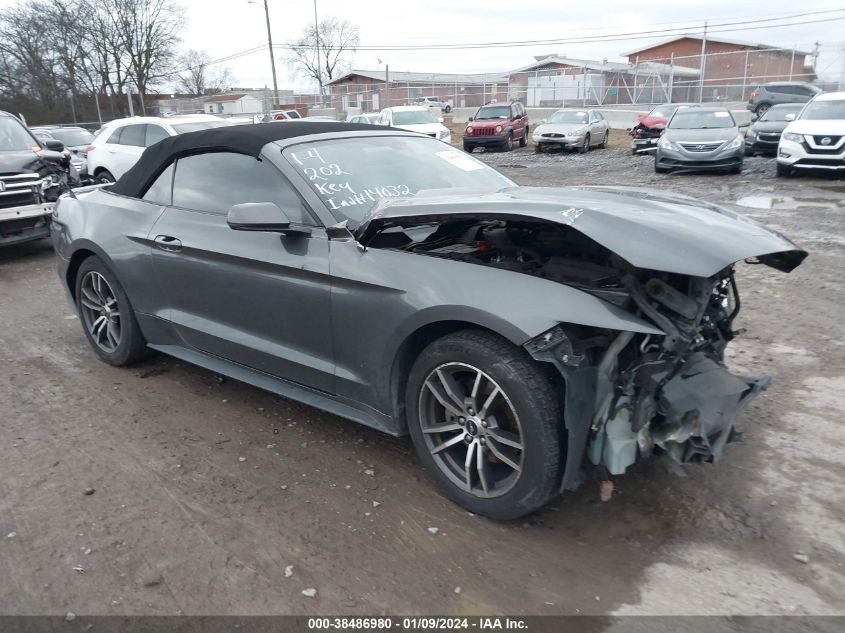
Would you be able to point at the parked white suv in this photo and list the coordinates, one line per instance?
(435, 102)
(416, 119)
(816, 138)
(120, 143)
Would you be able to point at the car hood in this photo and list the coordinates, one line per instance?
(559, 128)
(488, 122)
(694, 136)
(647, 228)
(768, 126)
(423, 128)
(831, 126)
(27, 160)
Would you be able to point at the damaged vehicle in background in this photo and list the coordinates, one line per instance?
(521, 336)
(645, 134)
(33, 172)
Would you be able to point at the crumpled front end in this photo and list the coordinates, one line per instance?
(668, 395)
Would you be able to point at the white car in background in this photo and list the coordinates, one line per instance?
(119, 144)
(816, 138)
(415, 119)
(369, 118)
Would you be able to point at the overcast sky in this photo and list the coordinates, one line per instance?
(223, 28)
(236, 25)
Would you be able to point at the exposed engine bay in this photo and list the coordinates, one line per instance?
(627, 394)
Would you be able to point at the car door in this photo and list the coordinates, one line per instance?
(517, 122)
(260, 299)
(598, 127)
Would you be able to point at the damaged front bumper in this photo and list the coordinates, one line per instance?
(630, 396)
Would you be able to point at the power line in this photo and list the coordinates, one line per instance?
(604, 38)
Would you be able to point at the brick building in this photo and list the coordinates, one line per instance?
(365, 90)
(731, 68)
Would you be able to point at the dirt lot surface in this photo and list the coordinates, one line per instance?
(214, 497)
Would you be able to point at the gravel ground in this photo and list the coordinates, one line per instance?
(159, 489)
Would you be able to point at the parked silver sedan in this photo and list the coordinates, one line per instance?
(568, 128)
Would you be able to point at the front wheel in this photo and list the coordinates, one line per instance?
(508, 144)
(106, 314)
(603, 144)
(485, 422)
(447, 109)
(585, 146)
(784, 171)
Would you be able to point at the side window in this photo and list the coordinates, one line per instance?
(133, 135)
(155, 133)
(160, 191)
(216, 181)
(114, 139)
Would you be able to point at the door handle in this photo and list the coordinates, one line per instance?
(168, 243)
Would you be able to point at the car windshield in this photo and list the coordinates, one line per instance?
(351, 175)
(14, 137)
(413, 117)
(493, 112)
(693, 119)
(778, 114)
(570, 116)
(293, 114)
(824, 110)
(194, 126)
(73, 137)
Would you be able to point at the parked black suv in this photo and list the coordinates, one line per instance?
(765, 96)
(32, 174)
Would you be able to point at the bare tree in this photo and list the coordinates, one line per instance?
(148, 31)
(323, 55)
(198, 78)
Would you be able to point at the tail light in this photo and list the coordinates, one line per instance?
(754, 94)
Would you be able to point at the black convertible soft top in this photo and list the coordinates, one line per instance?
(243, 139)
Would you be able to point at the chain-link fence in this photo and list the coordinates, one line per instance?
(721, 76)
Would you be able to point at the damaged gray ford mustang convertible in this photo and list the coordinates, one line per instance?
(522, 336)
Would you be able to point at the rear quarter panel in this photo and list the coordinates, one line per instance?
(115, 228)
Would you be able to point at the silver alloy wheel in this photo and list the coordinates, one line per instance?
(100, 313)
(471, 429)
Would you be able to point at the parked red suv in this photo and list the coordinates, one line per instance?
(497, 125)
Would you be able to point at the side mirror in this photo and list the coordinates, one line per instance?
(469, 119)
(744, 124)
(544, 121)
(261, 216)
(54, 145)
(790, 117)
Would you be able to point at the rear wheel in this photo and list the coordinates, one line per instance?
(107, 317)
(485, 422)
(761, 109)
(447, 109)
(104, 177)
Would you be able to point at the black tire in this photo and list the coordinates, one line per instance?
(657, 168)
(104, 176)
(507, 145)
(761, 109)
(585, 147)
(447, 109)
(528, 393)
(748, 152)
(131, 345)
(523, 141)
(784, 171)
(603, 144)
(736, 170)
(538, 148)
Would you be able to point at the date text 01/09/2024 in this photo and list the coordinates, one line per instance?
(430, 623)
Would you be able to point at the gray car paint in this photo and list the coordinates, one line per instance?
(348, 313)
(646, 228)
